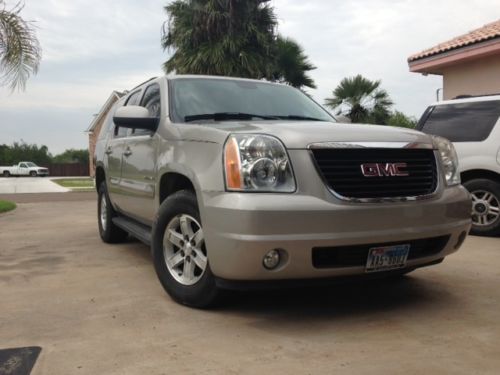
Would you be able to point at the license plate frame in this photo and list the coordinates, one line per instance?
(387, 258)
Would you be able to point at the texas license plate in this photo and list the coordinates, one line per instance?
(387, 258)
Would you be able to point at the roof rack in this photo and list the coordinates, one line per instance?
(140, 84)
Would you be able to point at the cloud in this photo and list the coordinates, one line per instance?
(92, 47)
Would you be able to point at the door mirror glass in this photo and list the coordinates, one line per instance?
(135, 117)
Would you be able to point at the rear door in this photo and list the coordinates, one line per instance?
(139, 163)
(114, 156)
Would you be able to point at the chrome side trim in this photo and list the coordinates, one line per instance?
(419, 145)
(381, 199)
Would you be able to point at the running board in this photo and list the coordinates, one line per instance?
(140, 231)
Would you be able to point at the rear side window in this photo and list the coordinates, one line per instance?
(461, 122)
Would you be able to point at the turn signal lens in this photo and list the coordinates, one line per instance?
(232, 163)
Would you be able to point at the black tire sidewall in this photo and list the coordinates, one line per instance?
(33, 174)
(492, 187)
(202, 294)
(111, 233)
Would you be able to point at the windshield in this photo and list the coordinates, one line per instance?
(31, 165)
(224, 99)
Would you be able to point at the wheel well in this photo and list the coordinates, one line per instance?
(173, 182)
(479, 173)
(99, 177)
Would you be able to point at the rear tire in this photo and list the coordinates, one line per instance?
(108, 231)
(485, 206)
(186, 276)
(6, 174)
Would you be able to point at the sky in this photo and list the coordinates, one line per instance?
(92, 47)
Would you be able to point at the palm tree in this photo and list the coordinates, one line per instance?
(362, 100)
(292, 65)
(220, 37)
(20, 51)
(231, 38)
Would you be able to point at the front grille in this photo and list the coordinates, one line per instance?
(341, 170)
(355, 256)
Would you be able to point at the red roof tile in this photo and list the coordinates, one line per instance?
(489, 31)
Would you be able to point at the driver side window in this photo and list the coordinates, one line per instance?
(152, 101)
(23, 165)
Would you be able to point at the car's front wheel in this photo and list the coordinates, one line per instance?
(485, 206)
(33, 174)
(179, 252)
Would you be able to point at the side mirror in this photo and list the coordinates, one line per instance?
(135, 117)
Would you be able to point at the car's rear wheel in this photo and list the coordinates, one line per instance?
(33, 174)
(108, 231)
(6, 173)
(179, 252)
(485, 206)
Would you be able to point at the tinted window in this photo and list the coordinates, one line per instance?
(461, 122)
(134, 98)
(152, 101)
(191, 97)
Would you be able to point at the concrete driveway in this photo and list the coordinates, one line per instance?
(99, 309)
(16, 185)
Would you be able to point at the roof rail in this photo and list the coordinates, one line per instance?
(140, 84)
(474, 96)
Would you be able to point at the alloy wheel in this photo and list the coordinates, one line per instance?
(485, 208)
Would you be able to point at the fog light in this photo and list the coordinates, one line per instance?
(271, 259)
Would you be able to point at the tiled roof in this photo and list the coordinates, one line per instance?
(487, 32)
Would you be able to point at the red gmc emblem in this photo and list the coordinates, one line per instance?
(384, 170)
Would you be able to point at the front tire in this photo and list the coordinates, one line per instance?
(33, 174)
(485, 206)
(108, 231)
(179, 253)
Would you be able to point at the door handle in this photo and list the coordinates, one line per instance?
(127, 152)
(108, 151)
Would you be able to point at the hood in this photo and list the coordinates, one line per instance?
(300, 134)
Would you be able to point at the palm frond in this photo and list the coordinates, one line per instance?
(20, 51)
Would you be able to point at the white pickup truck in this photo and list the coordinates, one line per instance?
(24, 168)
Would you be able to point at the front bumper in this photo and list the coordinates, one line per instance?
(241, 228)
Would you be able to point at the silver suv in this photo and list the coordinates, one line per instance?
(239, 183)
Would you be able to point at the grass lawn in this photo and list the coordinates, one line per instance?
(6, 206)
(77, 184)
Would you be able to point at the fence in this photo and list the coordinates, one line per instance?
(74, 169)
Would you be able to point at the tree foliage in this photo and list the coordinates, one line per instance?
(362, 100)
(398, 118)
(22, 151)
(234, 38)
(20, 51)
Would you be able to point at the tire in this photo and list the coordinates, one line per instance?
(193, 286)
(108, 231)
(486, 206)
(6, 174)
(33, 174)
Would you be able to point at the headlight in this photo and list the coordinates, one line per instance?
(255, 162)
(449, 160)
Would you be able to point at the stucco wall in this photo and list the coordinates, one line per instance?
(477, 77)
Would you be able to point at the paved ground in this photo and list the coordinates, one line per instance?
(99, 309)
(13, 185)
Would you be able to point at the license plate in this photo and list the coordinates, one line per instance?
(386, 258)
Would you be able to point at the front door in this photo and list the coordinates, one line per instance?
(138, 181)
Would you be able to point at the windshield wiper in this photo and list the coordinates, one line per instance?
(221, 116)
(297, 117)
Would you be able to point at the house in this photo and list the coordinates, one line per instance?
(469, 64)
(96, 125)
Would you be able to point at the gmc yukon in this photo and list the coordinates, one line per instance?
(238, 183)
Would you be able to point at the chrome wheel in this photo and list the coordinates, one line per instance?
(485, 208)
(104, 211)
(184, 249)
